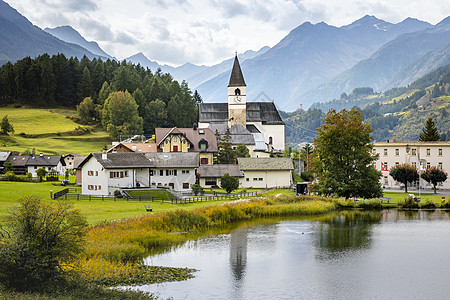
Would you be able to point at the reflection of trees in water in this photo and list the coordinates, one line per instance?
(346, 231)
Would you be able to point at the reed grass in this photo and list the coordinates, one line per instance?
(115, 251)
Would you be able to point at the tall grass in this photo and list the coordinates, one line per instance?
(114, 252)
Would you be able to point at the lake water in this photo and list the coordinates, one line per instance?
(348, 255)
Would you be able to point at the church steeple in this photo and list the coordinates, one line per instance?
(237, 107)
(236, 78)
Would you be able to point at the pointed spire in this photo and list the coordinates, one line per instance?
(236, 78)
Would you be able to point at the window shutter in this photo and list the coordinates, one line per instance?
(175, 172)
(121, 174)
(111, 175)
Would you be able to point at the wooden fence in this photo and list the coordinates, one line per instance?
(66, 195)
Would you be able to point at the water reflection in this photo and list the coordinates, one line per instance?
(346, 231)
(345, 255)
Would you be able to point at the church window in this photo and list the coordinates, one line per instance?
(237, 92)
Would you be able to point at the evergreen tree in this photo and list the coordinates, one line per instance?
(430, 132)
(85, 88)
(344, 158)
(197, 98)
(226, 154)
(242, 151)
(155, 116)
(5, 126)
(104, 93)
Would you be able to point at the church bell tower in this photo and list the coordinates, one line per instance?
(237, 105)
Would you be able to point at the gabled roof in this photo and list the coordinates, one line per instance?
(194, 136)
(174, 159)
(264, 112)
(215, 171)
(19, 160)
(74, 155)
(236, 78)
(45, 160)
(127, 160)
(4, 155)
(265, 164)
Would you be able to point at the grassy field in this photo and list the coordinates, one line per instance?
(49, 131)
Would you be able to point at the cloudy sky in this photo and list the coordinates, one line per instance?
(208, 31)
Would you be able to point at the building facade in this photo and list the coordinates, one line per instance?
(266, 172)
(427, 154)
(260, 121)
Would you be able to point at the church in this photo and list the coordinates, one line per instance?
(257, 125)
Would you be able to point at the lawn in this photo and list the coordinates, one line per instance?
(397, 197)
(54, 133)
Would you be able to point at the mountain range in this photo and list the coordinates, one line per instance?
(20, 38)
(313, 63)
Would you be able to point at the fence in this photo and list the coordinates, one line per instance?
(66, 195)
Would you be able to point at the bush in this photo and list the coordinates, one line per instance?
(307, 176)
(427, 204)
(196, 189)
(370, 204)
(410, 202)
(10, 175)
(117, 193)
(40, 241)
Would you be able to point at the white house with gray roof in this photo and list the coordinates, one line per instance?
(103, 173)
(266, 172)
(174, 170)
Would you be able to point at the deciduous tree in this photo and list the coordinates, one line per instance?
(434, 175)
(404, 173)
(343, 156)
(229, 183)
(120, 115)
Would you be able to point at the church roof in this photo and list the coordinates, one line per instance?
(236, 78)
(264, 112)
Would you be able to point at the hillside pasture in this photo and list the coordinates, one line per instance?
(50, 131)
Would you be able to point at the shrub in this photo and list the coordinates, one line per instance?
(370, 204)
(427, 204)
(117, 193)
(10, 175)
(196, 189)
(41, 239)
(307, 176)
(410, 202)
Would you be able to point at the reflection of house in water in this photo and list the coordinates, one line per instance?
(238, 252)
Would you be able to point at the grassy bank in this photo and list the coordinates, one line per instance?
(114, 251)
(50, 131)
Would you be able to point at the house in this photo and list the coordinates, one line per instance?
(72, 160)
(53, 164)
(144, 147)
(260, 120)
(201, 140)
(22, 164)
(266, 172)
(3, 158)
(103, 173)
(174, 170)
(427, 154)
(209, 175)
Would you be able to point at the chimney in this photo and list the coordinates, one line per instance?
(104, 155)
(195, 126)
(394, 137)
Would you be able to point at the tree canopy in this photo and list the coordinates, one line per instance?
(404, 173)
(229, 183)
(6, 126)
(434, 175)
(343, 157)
(226, 154)
(120, 115)
(430, 132)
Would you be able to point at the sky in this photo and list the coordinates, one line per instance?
(205, 32)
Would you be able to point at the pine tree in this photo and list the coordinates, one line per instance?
(430, 132)
(5, 126)
(226, 154)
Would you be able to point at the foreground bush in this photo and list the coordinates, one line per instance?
(39, 241)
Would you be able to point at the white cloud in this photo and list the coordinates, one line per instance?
(208, 31)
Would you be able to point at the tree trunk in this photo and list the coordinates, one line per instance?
(406, 187)
(434, 186)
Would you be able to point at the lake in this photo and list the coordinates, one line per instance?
(348, 255)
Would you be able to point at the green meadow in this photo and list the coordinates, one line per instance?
(50, 131)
